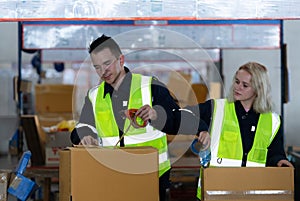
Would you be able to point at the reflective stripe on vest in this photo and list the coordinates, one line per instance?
(229, 153)
(80, 125)
(140, 94)
(133, 139)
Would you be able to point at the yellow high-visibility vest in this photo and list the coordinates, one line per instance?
(108, 131)
(226, 141)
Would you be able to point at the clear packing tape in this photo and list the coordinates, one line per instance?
(249, 195)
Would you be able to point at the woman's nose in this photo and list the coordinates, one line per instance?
(239, 86)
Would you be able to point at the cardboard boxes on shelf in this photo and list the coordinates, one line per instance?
(248, 183)
(184, 91)
(53, 103)
(44, 145)
(179, 85)
(35, 138)
(93, 173)
(56, 141)
(53, 98)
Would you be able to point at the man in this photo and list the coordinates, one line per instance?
(105, 105)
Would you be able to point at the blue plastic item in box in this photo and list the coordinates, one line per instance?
(23, 162)
(21, 187)
(203, 154)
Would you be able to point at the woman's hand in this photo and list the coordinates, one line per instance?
(284, 163)
(204, 139)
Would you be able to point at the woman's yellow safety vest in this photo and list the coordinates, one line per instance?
(226, 141)
(107, 128)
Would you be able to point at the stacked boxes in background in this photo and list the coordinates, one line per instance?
(179, 85)
(186, 93)
(56, 141)
(53, 105)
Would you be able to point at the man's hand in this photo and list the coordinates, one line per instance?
(204, 139)
(146, 113)
(89, 140)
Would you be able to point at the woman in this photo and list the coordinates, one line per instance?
(244, 131)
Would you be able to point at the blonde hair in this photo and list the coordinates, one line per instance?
(260, 83)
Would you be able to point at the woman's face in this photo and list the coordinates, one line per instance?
(242, 89)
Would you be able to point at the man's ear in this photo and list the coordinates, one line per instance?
(122, 60)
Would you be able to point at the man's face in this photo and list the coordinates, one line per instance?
(107, 66)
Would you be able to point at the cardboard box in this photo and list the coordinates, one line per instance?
(198, 94)
(35, 139)
(187, 93)
(179, 145)
(53, 98)
(44, 146)
(108, 174)
(179, 85)
(215, 90)
(26, 86)
(248, 183)
(54, 143)
(52, 119)
(4, 181)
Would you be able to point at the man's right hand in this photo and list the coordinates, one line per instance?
(89, 140)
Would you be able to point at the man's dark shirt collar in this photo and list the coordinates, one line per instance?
(125, 83)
